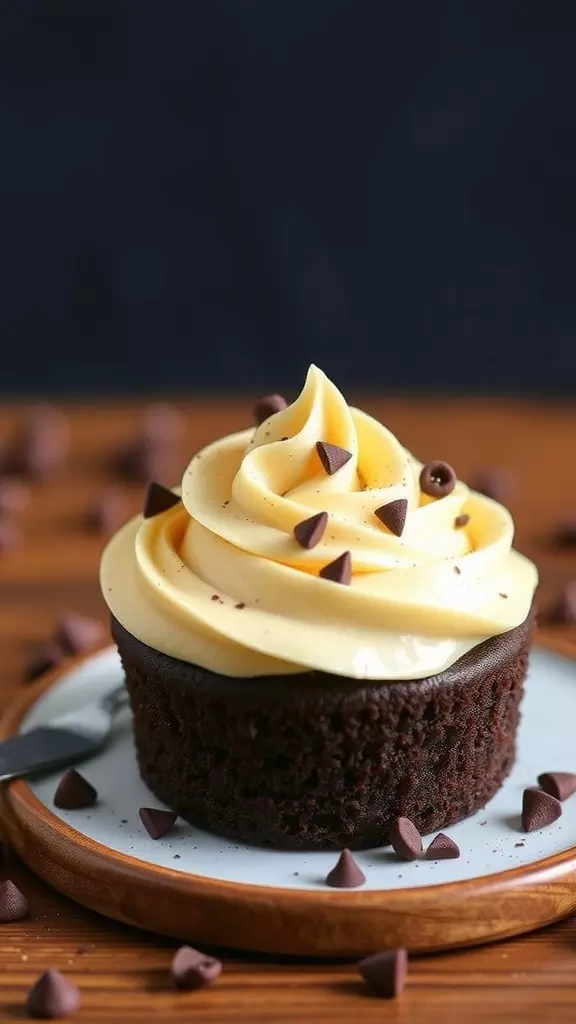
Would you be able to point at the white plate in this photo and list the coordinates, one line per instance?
(490, 842)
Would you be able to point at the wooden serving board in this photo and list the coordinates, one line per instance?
(198, 887)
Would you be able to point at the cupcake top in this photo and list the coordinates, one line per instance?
(317, 541)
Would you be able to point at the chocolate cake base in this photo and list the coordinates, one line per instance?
(316, 761)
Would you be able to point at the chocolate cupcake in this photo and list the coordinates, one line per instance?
(321, 634)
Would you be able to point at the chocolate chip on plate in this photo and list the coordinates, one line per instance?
(539, 809)
(268, 406)
(345, 874)
(385, 973)
(74, 792)
(437, 479)
(191, 969)
(442, 848)
(53, 997)
(338, 571)
(558, 784)
(13, 903)
(156, 821)
(405, 839)
(310, 531)
(393, 515)
(158, 499)
(78, 633)
(46, 657)
(332, 457)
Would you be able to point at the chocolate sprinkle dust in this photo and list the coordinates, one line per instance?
(437, 479)
(462, 520)
(393, 515)
(158, 499)
(339, 571)
(310, 531)
(332, 457)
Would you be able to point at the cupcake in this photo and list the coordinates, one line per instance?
(319, 633)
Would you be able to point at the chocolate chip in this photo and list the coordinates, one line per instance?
(14, 496)
(192, 969)
(84, 948)
(107, 513)
(461, 520)
(8, 536)
(437, 479)
(40, 445)
(405, 839)
(46, 657)
(560, 785)
(562, 610)
(539, 809)
(339, 571)
(74, 792)
(310, 531)
(565, 534)
(13, 903)
(268, 406)
(457, 570)
(493, 483)
(53, 997)
(77, 633)
(385, 973)
(157, 822)
(332, 457)
(393, 515)
(442, 848)
(158, 499)
(346, 874)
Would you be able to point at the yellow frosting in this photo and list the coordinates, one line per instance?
(219, 580)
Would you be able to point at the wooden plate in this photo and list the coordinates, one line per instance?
(202, 889)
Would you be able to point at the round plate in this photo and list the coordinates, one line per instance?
(200, 887)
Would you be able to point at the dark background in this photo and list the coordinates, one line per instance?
(207, 196)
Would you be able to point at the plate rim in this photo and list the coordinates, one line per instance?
(420, 917)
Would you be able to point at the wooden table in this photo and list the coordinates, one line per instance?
(123, 974)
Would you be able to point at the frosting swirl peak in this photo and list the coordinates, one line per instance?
(221, 579)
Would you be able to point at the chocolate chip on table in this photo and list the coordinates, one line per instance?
(310, 531)
(393, 515)
(8, 535)
(332, 457)
(14, 496)
(158, 499)
(560, 785)
(107, 513)
(565, 534)
(385, 973)
(539, 809)
(78, 633)
(13, 903)
(39, 446)
(562, 610)
(46, 657)
(268, 406)
(53, 997)
(345, 874)
(493, 483)
(442, 848)
(405, 839)
(338, 571)
(437, 479)
(461, 520)
(156, 821)
(191, 969)
(74, 792)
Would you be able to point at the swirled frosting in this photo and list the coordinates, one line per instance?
(219, 580)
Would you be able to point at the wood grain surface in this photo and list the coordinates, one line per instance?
(123, 974)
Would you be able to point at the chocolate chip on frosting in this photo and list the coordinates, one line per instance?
(309, 532)
(158, 499)
(339, 571)
(437, 479)
(332, 457)
(268, 406)
(393, 515)
(461, 520)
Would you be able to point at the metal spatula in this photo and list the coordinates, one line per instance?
(67, 739)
